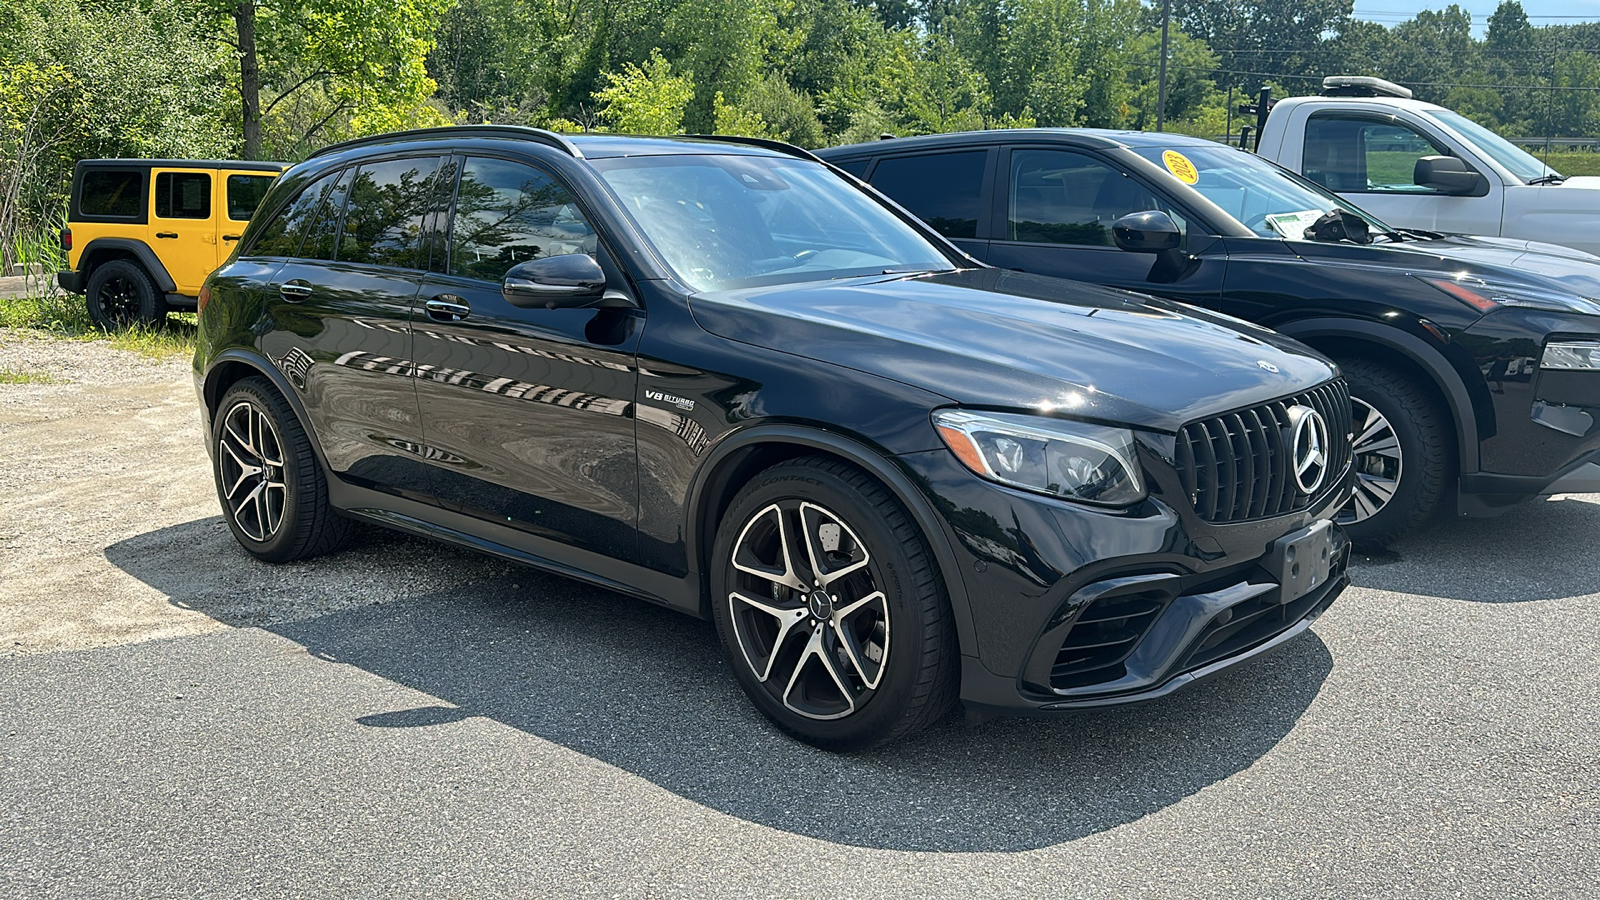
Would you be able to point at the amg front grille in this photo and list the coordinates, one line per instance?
(1237, 466)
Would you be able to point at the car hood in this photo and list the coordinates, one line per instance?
(1579, 182)
(1003, 339)
(1492, 259)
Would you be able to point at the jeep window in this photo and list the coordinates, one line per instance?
(183, 195)
(507, 213)
(1062, 197)
(113, 193)
(323, 233)
(383, 220)
(945, 190)
(281, 235)
(739, 221)
(244, 195)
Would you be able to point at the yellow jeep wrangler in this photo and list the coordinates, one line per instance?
(143, 234)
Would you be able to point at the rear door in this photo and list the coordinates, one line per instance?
(182, 231)
(949, 191)
(238, 195)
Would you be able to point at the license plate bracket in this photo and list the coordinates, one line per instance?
(1301, 562)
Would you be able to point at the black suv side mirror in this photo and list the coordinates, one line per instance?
(1151, 231)
(570, 281)
(1449, 175)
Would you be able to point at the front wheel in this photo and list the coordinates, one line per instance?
(1403, 454)
(830, 608)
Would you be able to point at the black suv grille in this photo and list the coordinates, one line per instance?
(1237, 466)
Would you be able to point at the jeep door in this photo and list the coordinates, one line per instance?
(527, 412)
(182, 231)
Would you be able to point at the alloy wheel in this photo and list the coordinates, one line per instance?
(252, 471)
(808, 615)
(1378, 463)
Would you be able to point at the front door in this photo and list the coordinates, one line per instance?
(527, 413)
(182, 229)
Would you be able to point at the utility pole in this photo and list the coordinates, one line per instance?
(1161, 79)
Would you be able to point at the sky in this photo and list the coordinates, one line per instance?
(1392, 12)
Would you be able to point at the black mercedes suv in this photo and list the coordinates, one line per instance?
(1473, 363)
(718, 376)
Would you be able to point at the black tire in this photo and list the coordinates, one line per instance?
(121, 295)
(1426, 459)
(835, 693)
(281, 512)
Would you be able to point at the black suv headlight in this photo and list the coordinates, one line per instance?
(1070, 460)
(1579, 355)
(1487, 296)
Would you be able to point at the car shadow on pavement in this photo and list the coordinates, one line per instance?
(1540, 550)
(647, 690)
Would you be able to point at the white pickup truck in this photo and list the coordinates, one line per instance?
(1420, 166)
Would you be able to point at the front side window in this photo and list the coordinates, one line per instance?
(1349, 154)
(245, 193)
(1063, 197)
(1522, 164)
(384, 216)
(112, 193)
(510, 212)
(281, 235)
(944, 190)
(723, 222)
(183, 195)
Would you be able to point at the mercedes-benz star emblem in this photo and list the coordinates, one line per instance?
(1308, 443)
(1268, 366)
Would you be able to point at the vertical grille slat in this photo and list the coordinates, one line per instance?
(1238, 466)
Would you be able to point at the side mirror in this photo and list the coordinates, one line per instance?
(571, 281)
(1448, 175)
(1151, 231)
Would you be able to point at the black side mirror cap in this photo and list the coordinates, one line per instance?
(1151, 231)
(569, 281)
(1449, 175)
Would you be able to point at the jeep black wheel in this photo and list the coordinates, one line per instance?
(830, 609)
(274, 495)
(1402, 454)
(121, 295)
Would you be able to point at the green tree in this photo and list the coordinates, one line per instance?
(647, 100)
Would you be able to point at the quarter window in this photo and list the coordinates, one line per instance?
(245, 193)
(1353, 155)
(383, 219)
(281, 236)
(183, 195)
(1062, 197)
(507, 213)
(944, 190)
(114, 193)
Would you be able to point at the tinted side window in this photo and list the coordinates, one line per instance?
(507, 213)
(281, 236)
(183, 195)
(1061, 197)
(383, 219)
(245, 193)
(945, 191)
(323, 234)
(112, 192)
(856, 167)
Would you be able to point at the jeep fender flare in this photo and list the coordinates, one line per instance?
(716, 465)
(1443, 375)
(141, 251)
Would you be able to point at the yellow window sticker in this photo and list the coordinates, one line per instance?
(1179, 165)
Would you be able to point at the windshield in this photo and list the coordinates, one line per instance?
(1263, 197)
(739, 221)
(1518, 161)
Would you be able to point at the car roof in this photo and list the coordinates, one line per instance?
(1100, 138)
(577, 146)
(247, 165)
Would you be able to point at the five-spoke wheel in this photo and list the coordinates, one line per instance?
(250, 470)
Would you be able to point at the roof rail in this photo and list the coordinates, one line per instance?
(549, 138)
(1362, 86)
(780, 146)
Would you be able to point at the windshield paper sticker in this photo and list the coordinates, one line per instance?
(1179, 165)
(1293, 225)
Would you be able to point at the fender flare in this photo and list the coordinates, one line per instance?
(1431, 361)
(141, 251)
(857, 453)
(255, 360)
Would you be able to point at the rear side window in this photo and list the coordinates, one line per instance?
(945, 190)
(245, 193)
(383, 219)
(323, 233)
(183, 195)
(507, 213)
(281, 236)
(856, 167)
(114, 193)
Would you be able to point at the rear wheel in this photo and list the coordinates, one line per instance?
(1402, 451)
(121, 295)
(830, 609)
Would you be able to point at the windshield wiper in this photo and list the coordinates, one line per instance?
(1548, 179)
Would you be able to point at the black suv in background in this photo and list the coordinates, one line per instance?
(1473, 363)
(719, 377)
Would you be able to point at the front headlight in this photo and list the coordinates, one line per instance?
(1580, 355)
(1486, 296)
(1071, 460)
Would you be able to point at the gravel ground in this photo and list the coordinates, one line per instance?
(407, 719)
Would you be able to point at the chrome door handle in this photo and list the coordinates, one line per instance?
(447, 308)
(294, 291)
